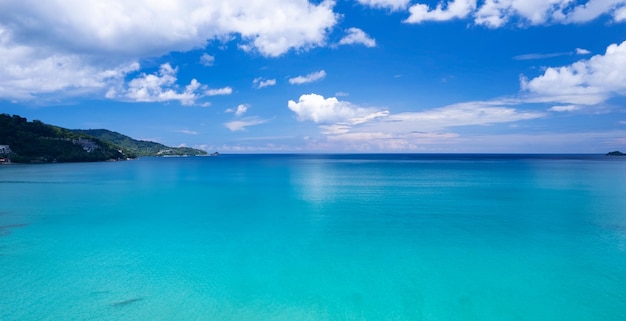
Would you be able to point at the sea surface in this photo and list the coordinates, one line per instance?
(316, 237)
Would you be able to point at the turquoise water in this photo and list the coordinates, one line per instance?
(288, 237)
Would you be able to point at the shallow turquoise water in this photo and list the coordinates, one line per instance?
(317, 237)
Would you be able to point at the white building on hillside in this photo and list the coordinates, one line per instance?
(5, 149)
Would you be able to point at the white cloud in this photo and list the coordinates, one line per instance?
(357, 36)
(318, 109)
(496, 13)
(379, 141)
(240, 110)
(161, 87)
(535, 56)
(207, 60)
(450, 10)
(620, 14)
(593, 9)
(564, 108)
(238, 125)
(367, 129)
(386, 4)
(581, 51)
(463, 114)
(585, 82)
(153, 28)
(219, 91)
(26, 71)
(186, 131)
(312, 77)
(622, 122)
(68, 45)
(262, 83)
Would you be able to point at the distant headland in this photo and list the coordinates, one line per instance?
(615, 153)
(22, 141)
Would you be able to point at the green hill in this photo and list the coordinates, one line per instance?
(139, 147)
(22, 141)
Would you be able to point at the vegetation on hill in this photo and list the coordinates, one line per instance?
(36, 142)
(139, 147)
(22, 141)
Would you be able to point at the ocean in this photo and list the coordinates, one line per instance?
(316, 237)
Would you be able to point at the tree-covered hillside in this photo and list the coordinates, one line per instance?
(42, 143)
(139, 147)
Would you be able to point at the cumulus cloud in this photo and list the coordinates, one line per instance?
(239, 125)
(497, 13)
(207, 60)
(262, 83)
(592, 10)
(494, 13)
(318, 109)
(219, 91)
(240, 110)
(386, 4)
(312, 77)
(61, 45)
(584, 82)
(444, 11)
(357, 36)
(161, 87)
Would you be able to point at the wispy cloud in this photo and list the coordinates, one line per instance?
(564, 108)
(535, 56)
(238, 125)
(366, 129)
(186, 131)
(312, 77)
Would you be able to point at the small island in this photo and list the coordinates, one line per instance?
(615, 153)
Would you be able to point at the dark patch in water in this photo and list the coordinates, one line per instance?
(125, 302)
(100, 292)
(6, 229)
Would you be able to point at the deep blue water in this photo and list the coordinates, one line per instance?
(316, 237)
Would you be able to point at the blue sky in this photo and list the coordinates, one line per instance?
(240, 76)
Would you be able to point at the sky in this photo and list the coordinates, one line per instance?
(344, 76)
